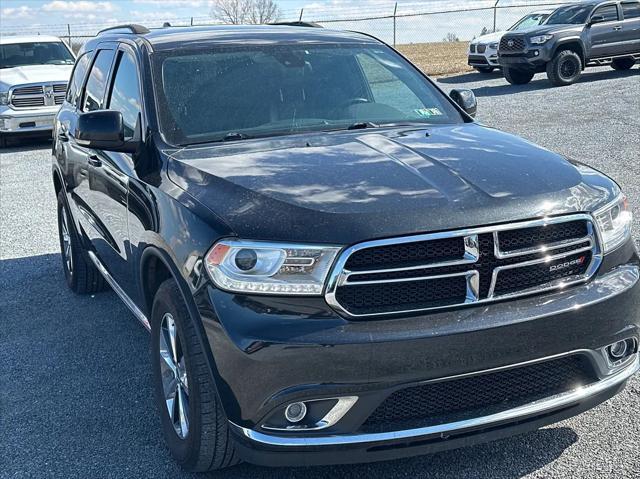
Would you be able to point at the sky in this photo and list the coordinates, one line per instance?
(88, 16)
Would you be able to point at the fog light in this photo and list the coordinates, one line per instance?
(536, 53)
(295, 412)
(618, 350)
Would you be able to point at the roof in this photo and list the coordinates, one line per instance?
(173, 37)
(6, 39)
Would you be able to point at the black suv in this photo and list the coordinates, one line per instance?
(335, 262)
(574, 37)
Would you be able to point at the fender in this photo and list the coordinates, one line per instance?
(572, 39)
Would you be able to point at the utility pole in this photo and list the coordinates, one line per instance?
(69, 35)
(495, 15)
(395, 10)
(301, 12)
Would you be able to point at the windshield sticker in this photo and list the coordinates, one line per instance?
(428, 112)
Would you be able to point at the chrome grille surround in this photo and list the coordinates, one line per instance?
(39, 95)
(339, 275)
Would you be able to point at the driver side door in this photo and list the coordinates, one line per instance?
(607, 37)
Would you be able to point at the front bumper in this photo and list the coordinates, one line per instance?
(488, 59)
(32, 120)
(272, 351)
(533, 57)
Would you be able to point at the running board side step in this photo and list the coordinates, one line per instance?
(119, 291)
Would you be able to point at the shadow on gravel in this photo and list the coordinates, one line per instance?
(542, 83)
(471, 77)
(18, 144)
(84, 406)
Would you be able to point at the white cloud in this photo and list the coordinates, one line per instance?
(22, 11)
(174, 3)
(78, 6)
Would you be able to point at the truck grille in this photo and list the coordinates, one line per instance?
(512, 44)
(433, 271)
(458, 399)
(33, 96)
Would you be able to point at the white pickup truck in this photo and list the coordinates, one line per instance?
(34, 72)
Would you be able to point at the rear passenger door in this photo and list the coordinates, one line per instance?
(607, 36)
(631, 26)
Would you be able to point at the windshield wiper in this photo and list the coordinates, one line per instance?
(361, 125)
(234, 135)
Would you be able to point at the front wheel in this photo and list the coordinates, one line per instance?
(483, 69)
(518, 77)
(623, 63)
(195, 427)
(565, 68)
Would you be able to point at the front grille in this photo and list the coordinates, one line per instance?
(451, 269)
(512, 44)
(34, 96)
(458, 399)
(482, 48)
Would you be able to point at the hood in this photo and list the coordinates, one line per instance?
(489, 38)
(34, 74)
(544, 29)
(346, 187)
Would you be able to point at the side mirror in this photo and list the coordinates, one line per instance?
(103, 130)
(466, 99)
(596, 19)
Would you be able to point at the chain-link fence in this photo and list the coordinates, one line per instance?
(434, 39)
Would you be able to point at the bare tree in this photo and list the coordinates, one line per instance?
(451, 37)
(235, 12)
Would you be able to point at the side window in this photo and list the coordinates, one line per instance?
(97, 82)
(631, 10)
(609, 12)
(77, 77)
(125, 92)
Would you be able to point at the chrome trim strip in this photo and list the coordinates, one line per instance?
(532, 409)
(336, 413)
(120, 292)
(339, 275)
(527, 251)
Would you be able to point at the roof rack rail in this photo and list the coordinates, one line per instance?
(129, 28)
(298, 24)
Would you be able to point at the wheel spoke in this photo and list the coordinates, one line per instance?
(165, 350)
(171, 329)
(183, 410)
(170, 399)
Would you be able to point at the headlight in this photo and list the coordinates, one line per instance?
(540, 39)
(614, 223)
(270, 268)
(493, 46)
(4, 97)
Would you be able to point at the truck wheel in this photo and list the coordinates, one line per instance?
(81, 274)
(194, 424)
(623, 63)
(517, 77)
(565, 68)
(484, 69)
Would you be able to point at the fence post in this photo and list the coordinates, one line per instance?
(495, 15)
(395, 10)
(69, 35)
(301, 12)
(191, 21)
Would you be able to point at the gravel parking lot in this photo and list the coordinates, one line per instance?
(75, 392)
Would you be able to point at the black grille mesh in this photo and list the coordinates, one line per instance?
(456, 399)
(516, 46)
(540, 235)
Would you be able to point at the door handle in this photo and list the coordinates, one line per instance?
(94, 161)
(618, 28)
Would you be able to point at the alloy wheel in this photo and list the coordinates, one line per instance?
(67, 247)
(174, 376)
(568, 68)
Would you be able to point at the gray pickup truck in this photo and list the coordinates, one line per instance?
(576, 36)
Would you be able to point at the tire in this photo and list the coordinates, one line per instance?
(517, 77)
(623, 63)
(485, 70)
(565, 68)
(205, 443)
(80, 273)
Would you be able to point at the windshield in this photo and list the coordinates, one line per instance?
(232, 93)
(571, 15)
(529, 21)
(37, 53)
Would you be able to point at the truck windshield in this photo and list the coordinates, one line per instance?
(570, 15)
(529, 21)
(36, 53)
(233, 93)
